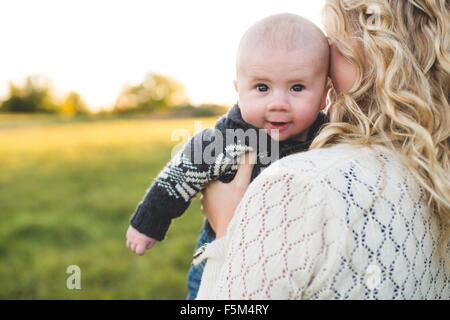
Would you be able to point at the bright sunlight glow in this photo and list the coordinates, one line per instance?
(94, 47)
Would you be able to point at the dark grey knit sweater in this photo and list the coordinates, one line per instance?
(185, 176)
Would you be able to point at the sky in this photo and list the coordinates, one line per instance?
(95, 47)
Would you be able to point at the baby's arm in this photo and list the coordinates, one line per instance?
(171, 192)
(179, 182)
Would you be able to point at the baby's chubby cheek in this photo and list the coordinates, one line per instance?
(251, 116)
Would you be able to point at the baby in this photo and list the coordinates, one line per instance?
(281, 81)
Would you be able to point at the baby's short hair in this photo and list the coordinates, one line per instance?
(287, 32)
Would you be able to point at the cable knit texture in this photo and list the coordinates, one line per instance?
(342, 222)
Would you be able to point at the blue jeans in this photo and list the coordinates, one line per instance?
(207, 235)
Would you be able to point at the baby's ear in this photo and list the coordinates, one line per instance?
(328, 87)
(236, 87)
(323, 103)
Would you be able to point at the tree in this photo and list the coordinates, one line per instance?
(156, 92)
(73, 105)
(34, 96)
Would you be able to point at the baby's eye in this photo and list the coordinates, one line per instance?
(261, 87)
(297, 88)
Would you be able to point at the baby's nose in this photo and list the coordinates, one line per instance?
(280, 103)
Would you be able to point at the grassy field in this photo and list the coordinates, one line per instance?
(67, 190)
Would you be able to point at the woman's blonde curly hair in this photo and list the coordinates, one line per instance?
(401, 95)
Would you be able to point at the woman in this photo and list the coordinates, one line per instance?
(366, 213)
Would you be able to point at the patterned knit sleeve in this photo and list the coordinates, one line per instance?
(281, 243)
(203, 159)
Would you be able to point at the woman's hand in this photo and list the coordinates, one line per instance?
(220, 200)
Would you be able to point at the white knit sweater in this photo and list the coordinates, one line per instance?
(335, 223)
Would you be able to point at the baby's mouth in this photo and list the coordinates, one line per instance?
(273, 125)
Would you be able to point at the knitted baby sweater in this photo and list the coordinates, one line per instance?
(190, 172)
(343, 222)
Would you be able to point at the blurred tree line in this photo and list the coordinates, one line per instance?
(36, 96)
(155, 94)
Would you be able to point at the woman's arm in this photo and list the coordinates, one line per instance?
(220, 200)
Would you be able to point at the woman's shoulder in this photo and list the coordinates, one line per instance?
(337, 159)
(345, 168)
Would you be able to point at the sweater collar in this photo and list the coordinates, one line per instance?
(288, 146)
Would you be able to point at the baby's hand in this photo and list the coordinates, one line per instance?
(139, 242)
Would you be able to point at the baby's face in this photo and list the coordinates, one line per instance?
(281, 91)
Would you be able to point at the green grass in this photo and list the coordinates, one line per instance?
(67, 190)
